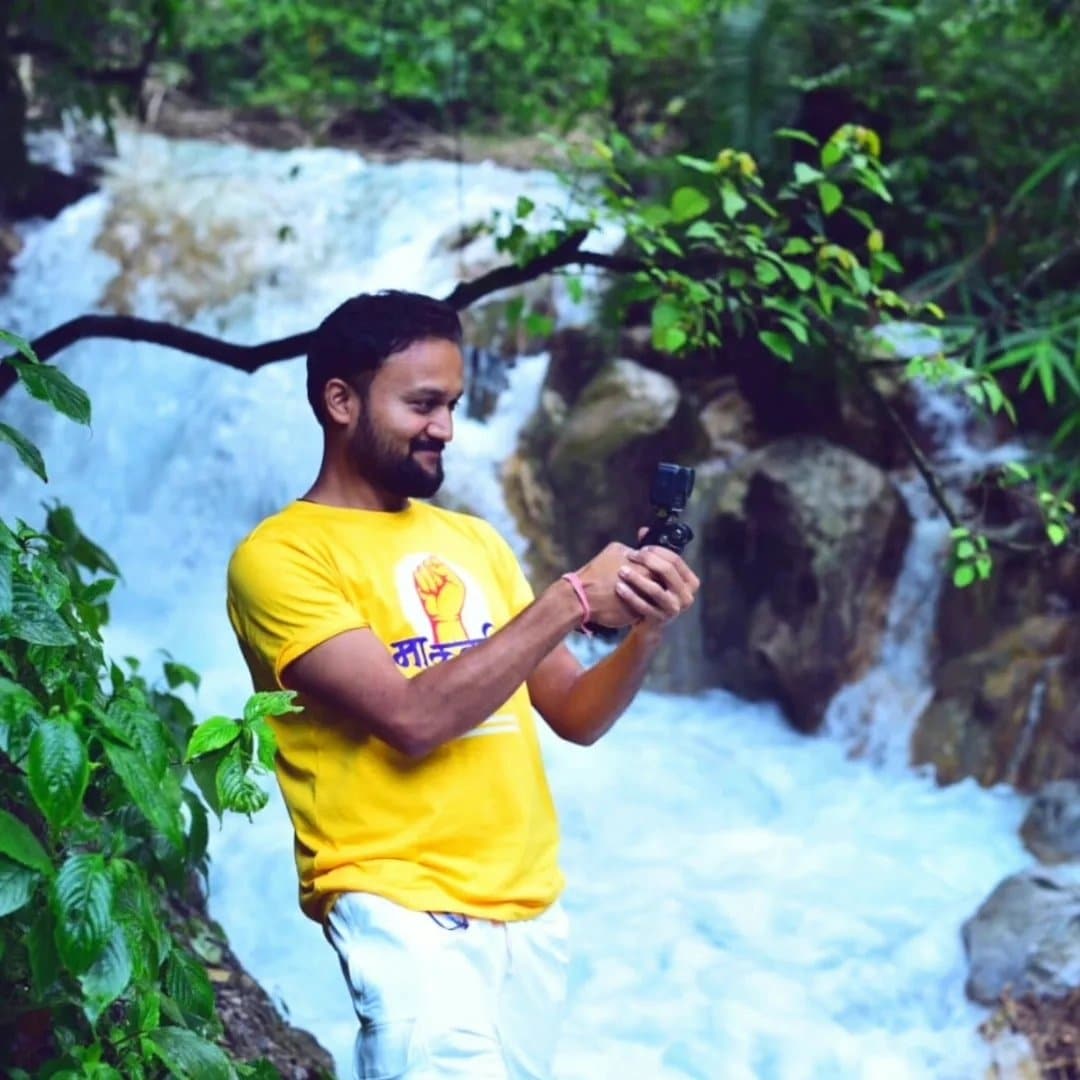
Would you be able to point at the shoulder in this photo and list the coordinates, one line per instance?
(276, 540)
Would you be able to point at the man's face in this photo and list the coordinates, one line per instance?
(406, 418)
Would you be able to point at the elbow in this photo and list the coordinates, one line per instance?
(579, 736)
(411, 737)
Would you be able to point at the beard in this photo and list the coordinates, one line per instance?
(388, 468)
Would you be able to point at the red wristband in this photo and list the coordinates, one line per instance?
(586, 611)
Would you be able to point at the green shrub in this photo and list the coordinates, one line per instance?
(97, 827)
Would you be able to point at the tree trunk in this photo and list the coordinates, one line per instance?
(14, 164)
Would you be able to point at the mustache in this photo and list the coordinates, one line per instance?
(436, 445)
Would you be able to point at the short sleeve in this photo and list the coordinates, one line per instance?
(519, 592)
(283, 601)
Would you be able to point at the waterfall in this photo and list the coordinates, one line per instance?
(747, 903)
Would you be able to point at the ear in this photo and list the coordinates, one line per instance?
(341, 401)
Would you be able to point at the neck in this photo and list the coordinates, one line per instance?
(335, 486)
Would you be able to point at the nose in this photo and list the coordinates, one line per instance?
(441, 425)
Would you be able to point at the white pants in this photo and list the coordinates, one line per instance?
(447, 998)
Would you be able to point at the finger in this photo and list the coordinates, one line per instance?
(666, 601)
(640, 606)
(655, 556)
(666, 571)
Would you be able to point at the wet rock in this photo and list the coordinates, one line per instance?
(1051, 828)
(622, 403)
(1025, 939)
(1009, 711)
(802, 543)
(728, 421)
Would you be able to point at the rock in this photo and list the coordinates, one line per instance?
(531, 501)
(252, 1026)
(1009, 711)
(623, 403)
(1051, 828)
(802, 544)
(1033, 1038)
(728, 421)
(1012, 1057)
(1025, 939)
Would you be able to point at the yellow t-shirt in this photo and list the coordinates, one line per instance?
(469, 828)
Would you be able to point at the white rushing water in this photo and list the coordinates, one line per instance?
(748, 903)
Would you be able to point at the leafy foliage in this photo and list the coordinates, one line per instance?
(96, 826)
(522, 63)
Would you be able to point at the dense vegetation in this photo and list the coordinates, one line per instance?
(101, 818)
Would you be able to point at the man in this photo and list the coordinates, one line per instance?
(425, 836)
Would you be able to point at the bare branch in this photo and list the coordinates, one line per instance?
(128, 328)
(250, 358)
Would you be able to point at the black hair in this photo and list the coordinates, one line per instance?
(355, 338)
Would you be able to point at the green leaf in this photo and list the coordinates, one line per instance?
(965, 549)
(777, 343)
(539, 325)
(51, 385)
(674, 338)
(36, 622)
(58, 770)
(179, 675)
(199, 827)
(204, 773)
(797, 245)
(766, 272)
(801, 278)
(189, 1057)
(963, 575)
(107, 978)
(236, 790)
(688, 203)
(831, 196)
(807, 174)
(82, 902)
(1057, 532)
(19, 843)
(20, 345)
(795, 133)
(267, 743)
(831, 153)
(187, 983)
(798, 329)
(734, 204)
(135, 909)
(45, 966)
(28, 453)
(213, 734)
(525, 206)
(17, 884)
(159, 802)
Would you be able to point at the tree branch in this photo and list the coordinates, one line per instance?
(247, 358)
(250, 358)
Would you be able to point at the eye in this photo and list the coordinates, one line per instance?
(454, 404)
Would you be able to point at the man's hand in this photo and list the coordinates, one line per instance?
(657, 586)
(600, 577)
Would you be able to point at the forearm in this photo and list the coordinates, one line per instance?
(600, 694)
(451, 698)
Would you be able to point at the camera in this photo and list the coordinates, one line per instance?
(671, 487)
